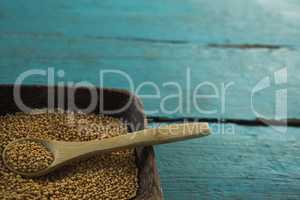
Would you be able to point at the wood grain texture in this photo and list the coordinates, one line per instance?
(157, 41)
(230, 21)
(241, 70)
(235, 162)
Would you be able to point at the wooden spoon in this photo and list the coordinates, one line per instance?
(65, 152)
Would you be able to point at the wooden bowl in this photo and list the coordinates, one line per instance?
(112, 102)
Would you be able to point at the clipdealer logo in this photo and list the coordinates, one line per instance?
(56, 77)
(280, 78)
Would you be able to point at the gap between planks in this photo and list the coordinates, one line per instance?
(243, 46)
(291, 122)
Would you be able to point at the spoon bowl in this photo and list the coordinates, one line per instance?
(46, 143)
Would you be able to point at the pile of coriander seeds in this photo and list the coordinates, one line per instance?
(106, 176)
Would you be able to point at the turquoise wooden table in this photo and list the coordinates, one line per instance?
(235, 49)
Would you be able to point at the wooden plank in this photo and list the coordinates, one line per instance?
(156, 41)
(231, 21)
(237, 69)
(234, 163)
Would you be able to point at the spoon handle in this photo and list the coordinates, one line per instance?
(161, 135)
